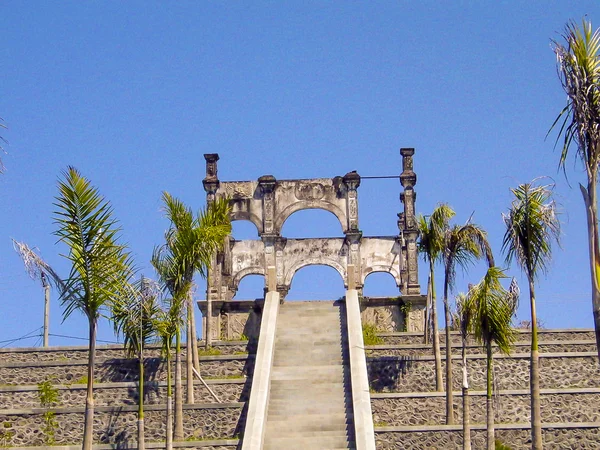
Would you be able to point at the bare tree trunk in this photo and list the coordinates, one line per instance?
(449, 394)
(208, 340)
(46, 308)
(427, 312)
(491, 441)
(189, 360)
(178, 435)
(534, 377)
(466, 400)
(169, 403)
(141, 437)
(436, 335)
(88, 426)
(591, 209)
(196, 360)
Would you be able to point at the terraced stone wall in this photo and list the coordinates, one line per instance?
(207, 423)
(408, 412)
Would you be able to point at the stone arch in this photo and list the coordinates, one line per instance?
(237, 277)
(248, 216)
(393, 271)
(289, 273)
(303, 205)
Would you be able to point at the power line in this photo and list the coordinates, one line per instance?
(83, 339)
(380, 178)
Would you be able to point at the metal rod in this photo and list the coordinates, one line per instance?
(206, 385)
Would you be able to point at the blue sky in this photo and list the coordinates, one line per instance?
(133, 93)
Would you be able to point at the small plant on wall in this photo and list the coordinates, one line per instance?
(405, 308)
(48, 396)
(6, 435)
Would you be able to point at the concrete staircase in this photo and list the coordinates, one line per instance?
(310, 402)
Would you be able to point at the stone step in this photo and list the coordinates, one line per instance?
(307, 442)
(308, 423)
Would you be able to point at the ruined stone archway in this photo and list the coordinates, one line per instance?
(268, 202)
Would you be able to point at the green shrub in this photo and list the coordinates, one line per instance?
(370, 335)
(48, 396)
(499, 445)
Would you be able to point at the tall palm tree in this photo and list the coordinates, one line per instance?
(100, 267)
(462, 244)
(167, 323)
(579, 71)
(431, 244)
(531, 227)
(134, 316)
(189, 245)
(464, 319)
(494, 308)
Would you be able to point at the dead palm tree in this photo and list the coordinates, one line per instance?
(531, 227)
(100, 267)
(431, 244)
(462, 244)
(493, 308)
(134, 316)
(578, 62)
(189, 245)
(38, 269)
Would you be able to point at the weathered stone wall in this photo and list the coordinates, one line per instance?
(576, 438)
(116, 394)
(510, 408)
(416, 374)
(119, 425)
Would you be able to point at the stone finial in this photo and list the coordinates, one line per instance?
(211, 181)
(267, 183)
(352, 180)
(408, 178)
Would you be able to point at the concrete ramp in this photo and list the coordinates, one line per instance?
(310, 399)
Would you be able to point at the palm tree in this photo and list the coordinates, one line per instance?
(168, 323)
(189, 245)
(493, 308)
(431, 244)
(100, 267)
(135, 316)
(462, 244)
(464, 319)
(579, 72)
(531, 226)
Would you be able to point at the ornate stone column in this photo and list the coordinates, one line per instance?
(213, 282)
(408, 223)
(269, 235)
(353, 234)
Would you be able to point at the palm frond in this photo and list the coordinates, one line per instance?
(432, 230)
(578, 66)
(100, 267)
(462, 245)
(494, 308)
(532, 225)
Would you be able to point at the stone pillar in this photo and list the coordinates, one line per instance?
(409, 230)
(213, 282)
(267, 184)
(353, 234)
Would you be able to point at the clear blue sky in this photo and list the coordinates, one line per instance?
(133, 93)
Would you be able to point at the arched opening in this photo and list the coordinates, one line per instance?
(251, 287)
(316, 282)
(311, 223)
(243, 230)
(380, 284)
